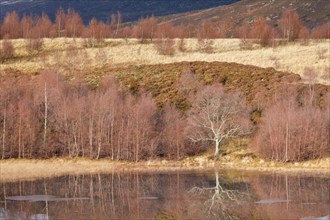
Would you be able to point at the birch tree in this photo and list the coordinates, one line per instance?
(290, 25)
(217, 115)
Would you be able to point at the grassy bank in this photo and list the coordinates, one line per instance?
(22, 169)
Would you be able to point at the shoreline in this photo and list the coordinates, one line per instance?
(32, 169)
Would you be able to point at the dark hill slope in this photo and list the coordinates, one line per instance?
(163, 80)
(311, 12)
(131, 10)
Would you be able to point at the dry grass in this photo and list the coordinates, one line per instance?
(18, 169)
(292, 57)
(21, 169)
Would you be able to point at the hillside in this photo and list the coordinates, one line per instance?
(311, 12)
(163, 80)
(102, 9)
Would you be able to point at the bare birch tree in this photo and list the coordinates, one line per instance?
(217, 115)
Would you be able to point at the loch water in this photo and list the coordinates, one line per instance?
(211, 194)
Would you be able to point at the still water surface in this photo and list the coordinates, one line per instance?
(217, 194)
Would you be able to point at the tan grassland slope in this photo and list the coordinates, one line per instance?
(292, 57)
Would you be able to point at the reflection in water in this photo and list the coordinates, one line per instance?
(299, 196)
(221, 199)
(181, 195)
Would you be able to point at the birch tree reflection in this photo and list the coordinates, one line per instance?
(220, 202)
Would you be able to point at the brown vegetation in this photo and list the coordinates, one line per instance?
(165, 46)
(262, 32)
(6, 50)
(292, 132)
(291, 26)
(321, 32)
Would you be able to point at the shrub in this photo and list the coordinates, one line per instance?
(321, 52)
(262, 32)
(165, 46)
(205, 45)
(246, 44)
(290, 25)
(7, 50)
(182, 45)
(289, 132)
(321, 32)
(34, 45)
